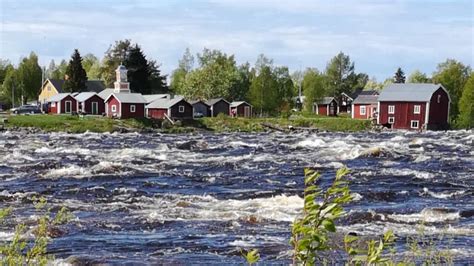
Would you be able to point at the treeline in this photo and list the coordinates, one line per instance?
(23, 83)
(269, 87)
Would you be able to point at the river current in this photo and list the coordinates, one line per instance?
(199, 199)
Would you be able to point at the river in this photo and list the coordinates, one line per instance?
(180, 199)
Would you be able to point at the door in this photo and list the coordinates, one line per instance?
(247, 111)
(95, 108)
(68, 106)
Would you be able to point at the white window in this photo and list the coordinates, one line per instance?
(49, 87)
(414, 123)
(391, 109)
(181, 109)
(114, 108)
(416, 109)
(391, 120)
(439, 98)
(53, 104)
(362, 110)
(132, 108)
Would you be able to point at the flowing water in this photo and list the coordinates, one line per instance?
(201, 198)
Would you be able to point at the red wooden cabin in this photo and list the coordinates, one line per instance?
(176, 108)
(62, 103)
(365, 105)
(327, 106)
(90, 103)
(125, 105)
(414, 106)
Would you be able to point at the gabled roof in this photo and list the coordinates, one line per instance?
(152, 97)
(237, 103)
(92, 85)
(84, 96)
(164, 103)
(128, 97)
(410, 92)
(198, 101)
(213, 101)
(105, 93)
(325, 100)
(58, 97)
(366, 99)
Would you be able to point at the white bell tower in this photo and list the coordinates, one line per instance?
(121, 85)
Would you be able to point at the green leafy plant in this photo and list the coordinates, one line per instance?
(252, 256)
(374, 254)
(24, 251)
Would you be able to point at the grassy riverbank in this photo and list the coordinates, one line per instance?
(74, 124)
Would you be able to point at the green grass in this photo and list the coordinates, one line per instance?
(75, 124)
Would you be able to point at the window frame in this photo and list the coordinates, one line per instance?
(417, 124)
(364, 108)
(391, 118)
(391, 109)
(417, 109)
(439, 98)
(133, 108)
(181, 109)
(113, 108)
(53, 104)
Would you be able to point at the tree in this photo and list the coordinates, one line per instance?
(95, 71)
(372, 84)
(418, 77)
(297, 78)
(341, 76)
(114, 56)
(50, 70)
(138, 74)
(60, 71)
(10, 86)
(466, 105)
(240, 89)
(263, 93)
(5, 66)
(284, 88)
(157, 81)
(453, 76)
(314, 87)
(178, 77)
(399, 76)
(216, 75)
(29, 76)
(76, 76)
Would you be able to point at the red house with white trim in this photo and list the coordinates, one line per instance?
(90, 103)
(62, 103)
(414, 106)
(241, 109)
(365, 105)
(327, 106)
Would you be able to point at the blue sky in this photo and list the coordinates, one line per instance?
(379, 35)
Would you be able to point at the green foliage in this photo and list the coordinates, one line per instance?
(341, 76)
(418, 77)
(114, 56)
(262, 94)
(374, 254)
(58, 72)
(251, 256)
(466, 105)
(453, 75)
(399, 76)
(310, 234)
(22, 251)
(76, 75)
(138, 74)
(313, 87)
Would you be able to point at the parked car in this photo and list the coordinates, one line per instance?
(26, 109)
(198, 115)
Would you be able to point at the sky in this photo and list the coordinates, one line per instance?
(378, 35)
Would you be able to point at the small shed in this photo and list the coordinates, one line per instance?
(90, 103)
(241, 109)
(327, 106)
(62, 103)
(125, 105)
(365, 105)
(414, 106)
(176, 108)
(200, 108)
(218, 106)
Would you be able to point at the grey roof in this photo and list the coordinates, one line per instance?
(409, 92)
(164, 103)
(213, 101)
(325, 100)
(105, 93)
(58, 97)
(193, 102)
(83, 96)
(366, 99)
(92, 85)
(128, 97)
(152, 97)
(237, 103)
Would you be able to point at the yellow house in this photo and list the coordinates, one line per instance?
(52, 87)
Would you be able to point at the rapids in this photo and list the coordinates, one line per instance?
(201, 198)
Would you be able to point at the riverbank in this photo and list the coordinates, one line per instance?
(75, 124)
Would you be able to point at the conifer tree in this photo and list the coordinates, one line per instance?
(138, 74)
(399, 76)
(76, 76)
